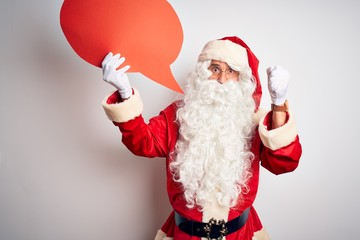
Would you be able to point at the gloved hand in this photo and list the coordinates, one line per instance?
(278, 81)
(117, 78)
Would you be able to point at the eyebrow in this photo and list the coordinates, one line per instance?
(219, 66)
(215, 65)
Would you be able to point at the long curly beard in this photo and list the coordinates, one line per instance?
(212, 154)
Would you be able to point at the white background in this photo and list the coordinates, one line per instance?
(65, 175)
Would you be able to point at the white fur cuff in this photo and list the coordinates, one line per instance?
(124, 111)
(279, 137)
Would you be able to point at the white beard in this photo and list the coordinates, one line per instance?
(212, 153)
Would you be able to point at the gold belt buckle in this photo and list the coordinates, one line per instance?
(208, 228)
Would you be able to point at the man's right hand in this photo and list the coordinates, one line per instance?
(117, 78)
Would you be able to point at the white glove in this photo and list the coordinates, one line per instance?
(278, 82)
(117, 78)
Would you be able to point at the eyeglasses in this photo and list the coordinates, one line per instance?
(217, 72)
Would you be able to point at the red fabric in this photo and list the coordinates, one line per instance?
(158, 138)
(169, 226)
(279, 158)
(253, 63)
(115, 97)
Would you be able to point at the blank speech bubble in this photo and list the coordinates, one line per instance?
(147, 33)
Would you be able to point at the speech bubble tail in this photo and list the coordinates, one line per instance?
(165, 78)
(175, 86)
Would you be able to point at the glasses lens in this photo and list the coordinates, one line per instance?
(217, 72)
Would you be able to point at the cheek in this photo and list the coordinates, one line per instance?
(235, 78)
(213, 77)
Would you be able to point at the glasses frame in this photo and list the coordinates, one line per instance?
(228, 74)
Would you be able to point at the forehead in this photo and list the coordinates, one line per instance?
(219, 63)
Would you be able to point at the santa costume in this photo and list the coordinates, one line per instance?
(210, 187)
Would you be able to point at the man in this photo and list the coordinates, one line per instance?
(214, 140)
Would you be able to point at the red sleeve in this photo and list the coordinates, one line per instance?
(283, 160)
(149, 140)
(115, 98)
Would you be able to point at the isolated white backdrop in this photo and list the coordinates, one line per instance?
(65, 175)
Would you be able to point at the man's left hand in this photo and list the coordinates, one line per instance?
(278, 81)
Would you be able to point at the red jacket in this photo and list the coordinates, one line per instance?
(158, 138)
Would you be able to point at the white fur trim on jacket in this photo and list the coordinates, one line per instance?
(279, 137)
(261, 235)
(160, 235)
(124, 111)
(260, 113)
(213, 209)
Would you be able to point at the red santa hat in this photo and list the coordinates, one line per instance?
(235, 53)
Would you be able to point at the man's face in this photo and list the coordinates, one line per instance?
(221, 72)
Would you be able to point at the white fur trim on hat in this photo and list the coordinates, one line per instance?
(226, 51)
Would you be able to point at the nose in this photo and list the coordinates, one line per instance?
(223, 78)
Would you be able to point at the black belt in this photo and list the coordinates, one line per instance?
(213, 229)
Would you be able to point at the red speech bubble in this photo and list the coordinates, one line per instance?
(147, 33)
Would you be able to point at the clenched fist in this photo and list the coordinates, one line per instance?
(278, 82)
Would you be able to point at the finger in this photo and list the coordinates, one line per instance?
(119, 62)
(270, 69)
(106, 59)
(281, 72)
(275, 83)
(122, 70)
(113, 60)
